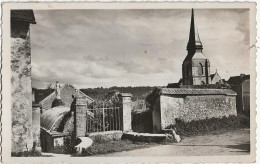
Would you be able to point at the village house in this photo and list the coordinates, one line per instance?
(197, 96)
(241, 85)
(45, 98)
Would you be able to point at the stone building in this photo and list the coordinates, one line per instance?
(196, 66)
(21, 90)
(189, 104)
(67, 91)
(241, 85)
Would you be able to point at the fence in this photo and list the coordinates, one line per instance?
(104, 119)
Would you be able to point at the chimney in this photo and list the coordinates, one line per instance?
(242, 75)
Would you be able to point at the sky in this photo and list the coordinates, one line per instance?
(145, 47)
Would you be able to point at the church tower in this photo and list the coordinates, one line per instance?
(196, 66)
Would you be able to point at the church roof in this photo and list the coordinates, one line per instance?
(194, 40)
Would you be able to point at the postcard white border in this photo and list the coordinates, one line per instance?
(6, 87)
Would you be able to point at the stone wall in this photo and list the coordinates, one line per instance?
(21, 93)
(194, 107)
(171, 106)
(208, 106)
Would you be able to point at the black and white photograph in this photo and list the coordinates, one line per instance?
(100, 81)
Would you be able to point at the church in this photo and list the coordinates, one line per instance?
(196, 66)
(195, 97)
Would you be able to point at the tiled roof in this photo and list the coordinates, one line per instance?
(49, 117)
(194, 91)
(23, 15)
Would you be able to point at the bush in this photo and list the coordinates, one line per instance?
(199, 127)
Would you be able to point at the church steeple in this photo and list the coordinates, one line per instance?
(196, 66)
(194, 43)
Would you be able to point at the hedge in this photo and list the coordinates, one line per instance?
(199, 127)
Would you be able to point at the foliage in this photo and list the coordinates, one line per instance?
(99, 94)
(199, 127)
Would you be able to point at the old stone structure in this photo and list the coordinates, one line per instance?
(196, 66)
(21, 92)
(189, 104)
(66, 93)
(241, 85)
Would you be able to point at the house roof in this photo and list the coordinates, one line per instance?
(50, 117)
(48, 94)
(23, 15)
(237, 80)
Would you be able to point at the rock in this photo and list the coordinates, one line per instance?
(85, 143)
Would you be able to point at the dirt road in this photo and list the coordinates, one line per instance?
(230, 143)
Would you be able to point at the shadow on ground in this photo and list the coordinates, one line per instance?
(243, 147)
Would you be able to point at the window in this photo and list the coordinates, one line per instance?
(200, 69)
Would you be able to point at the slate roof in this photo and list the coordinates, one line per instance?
(195, 91)
(49, 117)
(237, 80)
(23, 15)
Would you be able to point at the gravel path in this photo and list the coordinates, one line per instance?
(230, 143)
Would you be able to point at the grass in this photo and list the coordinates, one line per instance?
(28, 154)
(115, 146)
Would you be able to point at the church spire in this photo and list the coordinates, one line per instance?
(194, 43)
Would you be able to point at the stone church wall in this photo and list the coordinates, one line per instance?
(194, 107)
